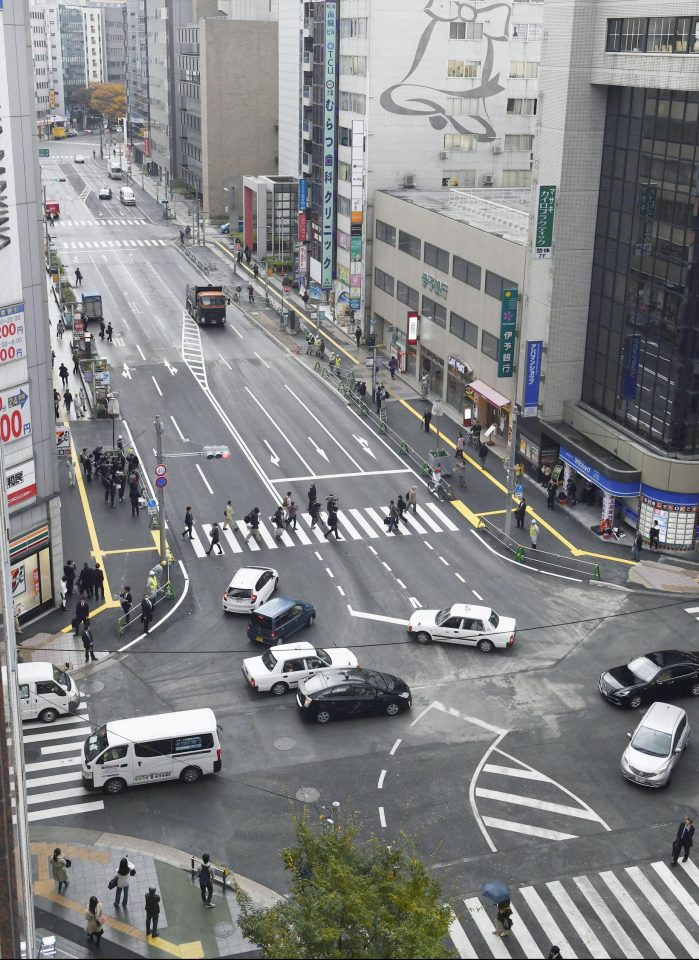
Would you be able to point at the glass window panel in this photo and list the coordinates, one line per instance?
(489, 345)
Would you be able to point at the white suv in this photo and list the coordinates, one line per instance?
(656, 745)
(464, 624)
(280, 668)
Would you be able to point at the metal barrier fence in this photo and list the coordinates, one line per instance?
(204, 268)
(555, 562)
(164, 592)
(219, 873)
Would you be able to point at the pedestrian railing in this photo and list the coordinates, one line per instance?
(220, 873)
(553, 562)
(164, 592)
(203, 267)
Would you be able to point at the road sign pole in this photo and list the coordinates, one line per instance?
(160, 491)
(511, 473)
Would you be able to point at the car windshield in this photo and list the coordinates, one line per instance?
(60, 677)
(324, 656)
(315, 684)
(95, 744)
(442, 615)
(239, 592)
(380, 680)
(652, 742)
(213, 301)
(494, 618)
(642, 668)
(269, 660)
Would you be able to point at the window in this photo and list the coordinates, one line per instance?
(344, 136)
(527, 31)
(467, 272)
(153, 748)
(343, 206)
(463, 329)
(343, 170)
(495, 284)
(114, 753)
(459, 105)
(407, 295)
(384, 281)
(521, 107)
(464, 68)
(463, 142)
(661, 32)
(353, 27)
(459, 178)
(48, 686)
(633, 34)
(24, 691)
(524, 70)
(385, 232)
(519, 141)
(355, 102)
(434, 311)
(353, 66)
(199, 741)
(293, 666)
(489, 346)
(465, 31)
(516, 178)
(409, 244)
(436, 257)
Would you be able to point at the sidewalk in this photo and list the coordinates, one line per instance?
(185, 927)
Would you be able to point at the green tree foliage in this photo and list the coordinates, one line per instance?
(108, 99)
(350, 899)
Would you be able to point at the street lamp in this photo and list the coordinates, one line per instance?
(113, 412)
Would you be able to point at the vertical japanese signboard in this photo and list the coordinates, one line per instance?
(357, 216)
(649, 196)
(508, 328)
(329, 144)
(532, 377)
(545, 209)
(10, 273)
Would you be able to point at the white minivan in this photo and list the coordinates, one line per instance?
(127, 197)
(167, 746)
(45, 691)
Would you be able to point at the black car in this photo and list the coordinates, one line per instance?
(333, 694)
(656, 676)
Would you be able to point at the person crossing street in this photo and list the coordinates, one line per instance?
(332, 526)
(63, 374)
(228, 516)
(314, 512)
(188, 523)
(253, 522)
(215, 539)
(78, 277)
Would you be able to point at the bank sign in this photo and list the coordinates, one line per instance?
(508, 329)
(10, 274)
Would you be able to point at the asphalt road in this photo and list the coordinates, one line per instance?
(442, 772)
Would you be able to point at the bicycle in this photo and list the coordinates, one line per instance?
(441, 489)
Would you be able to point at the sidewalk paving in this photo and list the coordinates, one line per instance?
(185, 927)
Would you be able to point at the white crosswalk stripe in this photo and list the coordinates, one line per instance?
(693, 612)
(644, 911)
(108, 244)
(54, 783)
(99, 223)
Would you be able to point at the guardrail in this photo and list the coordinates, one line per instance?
(204, 268)
(164, 592)
(219, 873)
(544, 558)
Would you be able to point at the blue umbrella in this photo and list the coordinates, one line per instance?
(496, 891)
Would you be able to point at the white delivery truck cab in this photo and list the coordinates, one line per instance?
(45, 691)
(167, 746)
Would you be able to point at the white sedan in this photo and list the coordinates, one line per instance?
(249, 589)
(280, 668)
(464, 624)
(79, 158)
(105, 193)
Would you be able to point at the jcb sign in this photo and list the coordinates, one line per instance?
(15, 414)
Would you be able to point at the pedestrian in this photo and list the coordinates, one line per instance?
(102, 328)
(654, 536)
(378, 397)
(76, 363)
(94, 920)
(253, 522)
(64, 592)
(251, 293)
(78, 277)
(228, 516)
(188, 523)
(59, 866)
(120, 444)
(314, 512)
(551, 494)
(411, 498)
(98, 582)
(67, 400)
(60, 330)
(110, 332)
(401, 506)
(534, 533)
(358, 336)
(152, 911)
(56, 403)
(503, 919)
(63, 374)
(69, 574)
(123, 875)
(215, 538)
(312, 496)
(393, 517)
(88, 642)
(126, 600)
(111, 491)
(460, 445)
(482, 455)
(71, 473)
(120, 480)
(135, 497)
(256, 271)
(305, 298)
(572, 492)
(332, 526)
(554, 953)
(239, 256)
(146, 613)
(520, 512)
(637, 546)
(291, 512)
(393, 366)
(205, 873)
(277, 520)
(683, 841)
(426, 418)
(85, 580)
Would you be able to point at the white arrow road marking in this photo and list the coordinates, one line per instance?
(279, 430)
(321, 453)
(414, 602)
(126, 372)
(365, 445)
(173, 370)
(134, 306)
(274, 458)
(206, 482)
(176, 426)
(156, 386)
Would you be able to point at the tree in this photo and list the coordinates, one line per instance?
(350, 898)
(108, 99)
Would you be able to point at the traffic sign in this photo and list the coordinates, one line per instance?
(161, 482)
(160, 470)
(519, 490)
(43, 151)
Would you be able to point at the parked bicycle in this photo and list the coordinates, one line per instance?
(440, 489)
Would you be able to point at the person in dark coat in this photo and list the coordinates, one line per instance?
(85, 582)
(152, 912)
(88, 642)
(69, 574)
(683, 841)
(426, 418)
(654, 536)
(358, 336)
(520, 513)
(215, 539)
(98, 582)
(134, 497)
(402, 507)
(126, 600)
(482, 455)
(82, 614)
(63, 374)
(332, 525)
(188, 523)
(312, 496)
(314, 512)
(551, 494)
(146, 613)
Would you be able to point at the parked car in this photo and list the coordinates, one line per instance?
(332, 694)
(249, 589)
(464, 624)
(105, 193)
(127, 196)
(71, 132)
(656, 746)
(224, 229)
(282, 667)
(662, 675)
(279, 619)
(79, 158)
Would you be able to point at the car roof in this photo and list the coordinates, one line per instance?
(302, 646)
(666, 658)
(276, 605)
(470, 610)
(663, 717)
(248, 576)
(341, 674)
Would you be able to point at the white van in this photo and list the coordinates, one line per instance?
(127, 197)
(115, 171)
(167, 746)
(45, 691)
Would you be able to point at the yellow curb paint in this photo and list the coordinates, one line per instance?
(461, 507)
(87, 510)
(491, 513)
(111, 553)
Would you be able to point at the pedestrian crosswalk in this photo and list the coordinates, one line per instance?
(54, 782)
(100, 223)
(353, 524)
(638, 911)
(693, 612)
(110, 244)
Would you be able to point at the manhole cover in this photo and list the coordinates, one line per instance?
(88, 685)
(308, 795)
(285, 743)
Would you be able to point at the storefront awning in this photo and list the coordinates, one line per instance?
(489, 394)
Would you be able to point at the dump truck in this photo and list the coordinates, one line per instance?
(206, 305)
(90, 306)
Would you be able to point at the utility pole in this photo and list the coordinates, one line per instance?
(160, 491)
(101, 141)
(511, 475)
(203, 228)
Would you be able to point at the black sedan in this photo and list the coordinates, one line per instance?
(663, 675)
(332, 694)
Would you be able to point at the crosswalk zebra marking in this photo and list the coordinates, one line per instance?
(301, 533)
(526, 941)
(546, 921)
(426, 518)
(38, 765)
(252, 543)
(315, 531)
(57, 735)
(442, 517)
(517, 800)
(614, 928)
(637, 916)
(54, 795)
(691, 870)
(461, 941)
(414, 522)
(55, 778)
(678, 891)
(52, 812)
(197, 544)
(363, 523)
(347, 525)
(376, 516)
(664, 911)
(231, 540)
(482, 921)
(581, 925)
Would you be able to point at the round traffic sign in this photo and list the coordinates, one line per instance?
(161, 482)
(160, 470)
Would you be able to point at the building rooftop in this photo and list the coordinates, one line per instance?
(503, 211)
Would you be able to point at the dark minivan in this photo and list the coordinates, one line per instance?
(279, 619)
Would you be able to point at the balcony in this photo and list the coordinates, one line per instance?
(308, 60)
(307, 97)
(306, 162)
(306, 127)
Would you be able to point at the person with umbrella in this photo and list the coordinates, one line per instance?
(499, 894)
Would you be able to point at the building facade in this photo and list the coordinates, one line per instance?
(40, 59)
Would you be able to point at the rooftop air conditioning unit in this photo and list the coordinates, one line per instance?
(443, 155)
(487, 180)
(409, 181)
(497, 146)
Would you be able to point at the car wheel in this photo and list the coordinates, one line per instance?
(695, 690)
(279, 689)
(311, 621)
(423, 638)
(392, 709)
(635, 701)
(486, 646)
(48, 715)
(323, 716)
(190, 775)
(115, 785)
